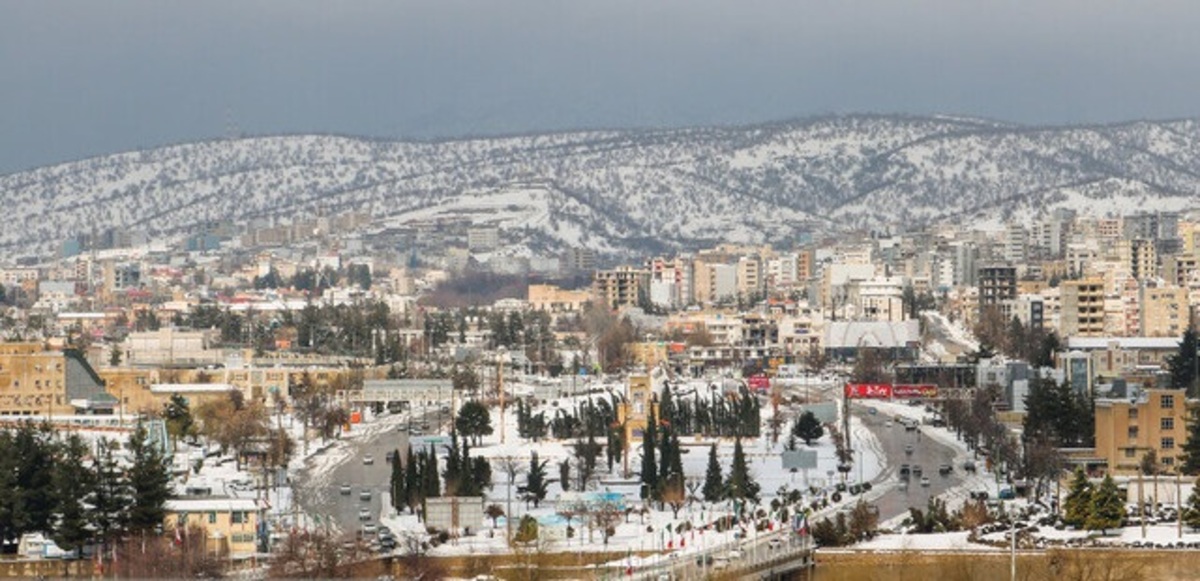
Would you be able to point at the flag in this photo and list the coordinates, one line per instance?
(178, 538)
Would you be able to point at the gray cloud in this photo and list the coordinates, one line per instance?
(87, 78)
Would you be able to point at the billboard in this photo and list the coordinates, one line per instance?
(869, 390)
(907, 391)
(801, 459)
(759, 383)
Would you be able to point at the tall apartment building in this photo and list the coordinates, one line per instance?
(1082, 312)
(1141, 256)
(1128, 428)
(620, 287)
(1180, 269)
(750, 280)
(997, 286)
(1164, 310)
(1015, 244)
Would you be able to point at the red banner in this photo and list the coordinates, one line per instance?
(907, 391)
(869, 390)
(759, 383)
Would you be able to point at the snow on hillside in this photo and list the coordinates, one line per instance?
(617, 191)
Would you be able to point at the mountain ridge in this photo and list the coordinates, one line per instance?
(602, 188)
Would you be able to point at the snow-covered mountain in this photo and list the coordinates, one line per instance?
(620, 190)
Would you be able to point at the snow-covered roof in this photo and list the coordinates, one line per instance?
(191, 387)
(210, 504)
(852, 334)
(1087, 343)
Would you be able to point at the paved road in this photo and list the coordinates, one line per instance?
(927, 453)
(319, 493)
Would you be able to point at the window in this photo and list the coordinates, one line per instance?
(1168, 444)
(1131, 452)
(237, 517)
(1133, 413)
(212, 518)
(1168, 461)
(1133, 432)
(1167, 401)
(1167, 424)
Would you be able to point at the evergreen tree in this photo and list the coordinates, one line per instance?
(714, 482)
(149, 481)
(649, 466)
(34, 483)
(453, 474)
(109, 498)
(71, 487)
(740, 485)
(429, 473)
(474, 420)
(412, 481)
(666, 406)
(178, 416)
(1107, 509)
(398, 481)
(1183, 364)
(808, 428)
(1078, 503)
(564, 474)
(1191, 449)
(1191, 514)
(10, 498)
(535, 480)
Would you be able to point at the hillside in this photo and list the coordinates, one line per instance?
(620, 190)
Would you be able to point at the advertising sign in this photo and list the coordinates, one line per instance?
(760, 383)
(906, 391)
(869, 390)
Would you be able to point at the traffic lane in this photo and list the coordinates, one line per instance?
(926, 453)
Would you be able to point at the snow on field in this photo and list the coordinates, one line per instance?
(956, 541)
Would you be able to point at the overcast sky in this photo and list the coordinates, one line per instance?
(86, 78)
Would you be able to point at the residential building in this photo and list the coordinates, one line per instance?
(229, 525)
(620, 287)
(1082, 311)
(1129, 428)
(1164, 310)
(37, 381)
(556, 300)
(997, 286)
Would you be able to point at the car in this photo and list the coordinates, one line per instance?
(775, 543)
(1007, 494)
(364, 514)
(345, 489)
(391, 456)
(916, 470)
(979, 495)
(908, 449)
(887, 424)
(416, 432)
(368, 528)
(364, 495)
(945, 469)
(969, 466)
(924, 481)
(368, 459)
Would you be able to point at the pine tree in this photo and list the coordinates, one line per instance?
(34, 482)
(740, 485)
(1078, 503)
(150, 483)
(808, 428)
(109, 498)
(564, 474)
(535, 480)
(1191, 514)
(9, 501)
(1183, 364)
(649, 466)
(1107, 509)
(666, 406)
(429, 473)
(714, 482)
(453, 473)
(1191, 449)
(71, 486)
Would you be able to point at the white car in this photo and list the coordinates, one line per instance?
(924, 481)
(368, 459)
(364, 514)
(368, 528)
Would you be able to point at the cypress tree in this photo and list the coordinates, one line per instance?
(1183, 364)
(109, 498)
(412, 481)
(1191, 449)
(535, 480)
(649, 467)
(433, 487)
(399, 493)
(714, 482)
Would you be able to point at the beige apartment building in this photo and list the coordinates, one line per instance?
(1164, 310)
(1082, 313)
(1126, 430)
(37, 381)
(555, 300)
(620, 287)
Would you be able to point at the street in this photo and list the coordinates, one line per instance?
(318, 492)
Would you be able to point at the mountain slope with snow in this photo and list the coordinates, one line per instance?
(616, 190)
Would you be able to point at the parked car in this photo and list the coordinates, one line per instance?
(345, 489)
(924, 481)
(1007, 494)
(368, 459)
(365, 495)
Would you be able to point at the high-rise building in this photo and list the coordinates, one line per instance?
(997, 286)
(1082, 311)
